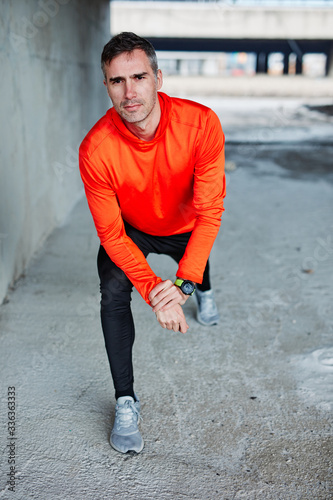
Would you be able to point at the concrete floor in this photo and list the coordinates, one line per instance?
(238, 411)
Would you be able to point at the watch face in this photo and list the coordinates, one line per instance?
(187, 287)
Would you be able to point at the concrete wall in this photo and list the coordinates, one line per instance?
(219, 20)
(51, 94)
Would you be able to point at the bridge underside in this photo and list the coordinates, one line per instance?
(261, 47)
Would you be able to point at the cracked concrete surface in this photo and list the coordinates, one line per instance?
(238, 411)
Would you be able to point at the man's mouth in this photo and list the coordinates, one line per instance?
(131, 106)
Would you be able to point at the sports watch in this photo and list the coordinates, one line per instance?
(186, 286)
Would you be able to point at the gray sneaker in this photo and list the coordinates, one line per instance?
(125, 435)
(207, 313)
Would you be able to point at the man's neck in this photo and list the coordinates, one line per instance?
(146, 129)
(143, 133)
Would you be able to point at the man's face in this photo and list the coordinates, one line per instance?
(132, 86)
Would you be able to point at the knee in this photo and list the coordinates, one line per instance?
(115, 293)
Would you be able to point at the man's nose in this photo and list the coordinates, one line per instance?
(129, 90)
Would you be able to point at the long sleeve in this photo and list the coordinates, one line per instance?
(106, 214)
(208, 192)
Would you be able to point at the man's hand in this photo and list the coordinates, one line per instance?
(173, 319)
(166, 295)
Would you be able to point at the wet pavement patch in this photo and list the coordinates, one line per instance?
(327, 109)
(301, 161)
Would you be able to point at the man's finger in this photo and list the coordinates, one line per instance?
(167, 303)
(166, 297)
(183, 326)
(173, 320)
(163, 296)
(163, 285)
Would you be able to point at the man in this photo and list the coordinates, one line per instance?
(153, 171)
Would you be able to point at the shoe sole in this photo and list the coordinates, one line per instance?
(211, 323)
(128, 451)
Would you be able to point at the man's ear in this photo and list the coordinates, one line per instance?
(159, 79)
(104, 82)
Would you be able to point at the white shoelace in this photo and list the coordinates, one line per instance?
(127, 415)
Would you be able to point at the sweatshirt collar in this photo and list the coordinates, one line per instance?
(166, 105)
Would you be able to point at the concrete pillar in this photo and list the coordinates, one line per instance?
(262, 62)
(52, 93)
(299, 65)
(329, 61)
(286, 63)
(295, 49)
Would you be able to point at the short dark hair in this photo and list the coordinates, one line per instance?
(127, 42)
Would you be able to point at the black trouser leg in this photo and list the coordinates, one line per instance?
(117, 323)
(205, 285)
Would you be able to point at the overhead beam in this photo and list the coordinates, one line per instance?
(217, 20)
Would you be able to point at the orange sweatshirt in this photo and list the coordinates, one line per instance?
(170, 185)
